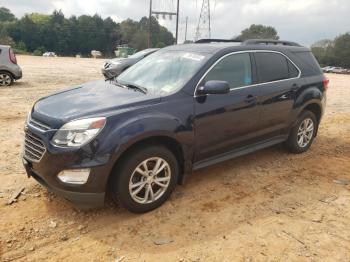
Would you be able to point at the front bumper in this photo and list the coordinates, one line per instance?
(79, 199)
(54, 160)
(111, 72)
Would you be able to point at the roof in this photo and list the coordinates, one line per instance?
(206, 46)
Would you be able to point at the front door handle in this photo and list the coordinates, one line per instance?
(250, 99)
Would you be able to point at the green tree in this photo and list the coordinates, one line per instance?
(79, 35)
(324, 52)
(342, 50)
(259, 32)
(6, 15)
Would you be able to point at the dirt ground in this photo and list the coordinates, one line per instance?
(266, 206)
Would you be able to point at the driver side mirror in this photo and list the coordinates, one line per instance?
(214, 87)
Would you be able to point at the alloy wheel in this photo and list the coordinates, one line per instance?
(5, 80)
(150, 180)
(305, 132)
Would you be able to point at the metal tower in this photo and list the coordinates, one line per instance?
(203, 29)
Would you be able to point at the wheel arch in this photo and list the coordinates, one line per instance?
(169, 142)
(316, 109)
(9, 72)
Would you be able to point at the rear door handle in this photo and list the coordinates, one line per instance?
(250, 99)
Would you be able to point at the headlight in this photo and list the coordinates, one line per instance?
(78, 132)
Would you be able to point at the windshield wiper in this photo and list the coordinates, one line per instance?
(131, 86)
(137, 87)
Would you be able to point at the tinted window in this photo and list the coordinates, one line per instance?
(235, 69)
(271, 67)
(307, 63)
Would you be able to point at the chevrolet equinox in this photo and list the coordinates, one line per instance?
(180, 109)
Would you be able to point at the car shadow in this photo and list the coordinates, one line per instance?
(212, 203)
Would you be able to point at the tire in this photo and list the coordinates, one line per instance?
(132, 176)
(6, 79)
(301, 136)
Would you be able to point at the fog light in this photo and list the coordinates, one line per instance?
(74, 176)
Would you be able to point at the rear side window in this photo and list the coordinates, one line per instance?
(307, 63)
(271, 67)
(235, 69)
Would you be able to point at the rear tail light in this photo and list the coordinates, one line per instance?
(325, 83)
(12, 56)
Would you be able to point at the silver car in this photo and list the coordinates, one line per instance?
(9, 70)
(113, 68)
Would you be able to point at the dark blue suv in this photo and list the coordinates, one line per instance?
(181, 109)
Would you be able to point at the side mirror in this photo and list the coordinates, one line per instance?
(214, 88)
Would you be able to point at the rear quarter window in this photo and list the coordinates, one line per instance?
(307, 63)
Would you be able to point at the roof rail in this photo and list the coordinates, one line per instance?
(205, 41)
(269, 42)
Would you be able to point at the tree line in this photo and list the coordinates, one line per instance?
(328, 52)
(333, 52)
(38, 33)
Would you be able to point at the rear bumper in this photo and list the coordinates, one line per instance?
(82, 200)
(14, 69)
(18, 75)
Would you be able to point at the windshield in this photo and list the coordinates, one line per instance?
(164, 72)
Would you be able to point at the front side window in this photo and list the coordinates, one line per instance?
(271, 67)
(235, 69)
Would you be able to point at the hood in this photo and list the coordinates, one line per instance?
(91, 99)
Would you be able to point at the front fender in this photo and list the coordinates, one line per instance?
(126, 130)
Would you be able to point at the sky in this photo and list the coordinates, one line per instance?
(303, 21)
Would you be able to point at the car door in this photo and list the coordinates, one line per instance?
(227, 121)
(279, 81)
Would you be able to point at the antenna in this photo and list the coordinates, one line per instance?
(204, 28)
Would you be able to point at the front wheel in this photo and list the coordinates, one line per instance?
(303, 133)
(145, 179)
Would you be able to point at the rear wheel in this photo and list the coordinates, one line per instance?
(6, 79)
(145, 179)
(303, 133)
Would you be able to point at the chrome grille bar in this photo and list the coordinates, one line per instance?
(34, 148)
(38, 124)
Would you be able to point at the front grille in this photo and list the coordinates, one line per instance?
(107, 65)
(39, 125)
(34, 147)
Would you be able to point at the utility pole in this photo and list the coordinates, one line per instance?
(163, 13)
(177, 22)
(150, 25)
(186, 29)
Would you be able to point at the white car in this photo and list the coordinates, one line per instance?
(327, 69)
(49, 54)
(338, 70)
